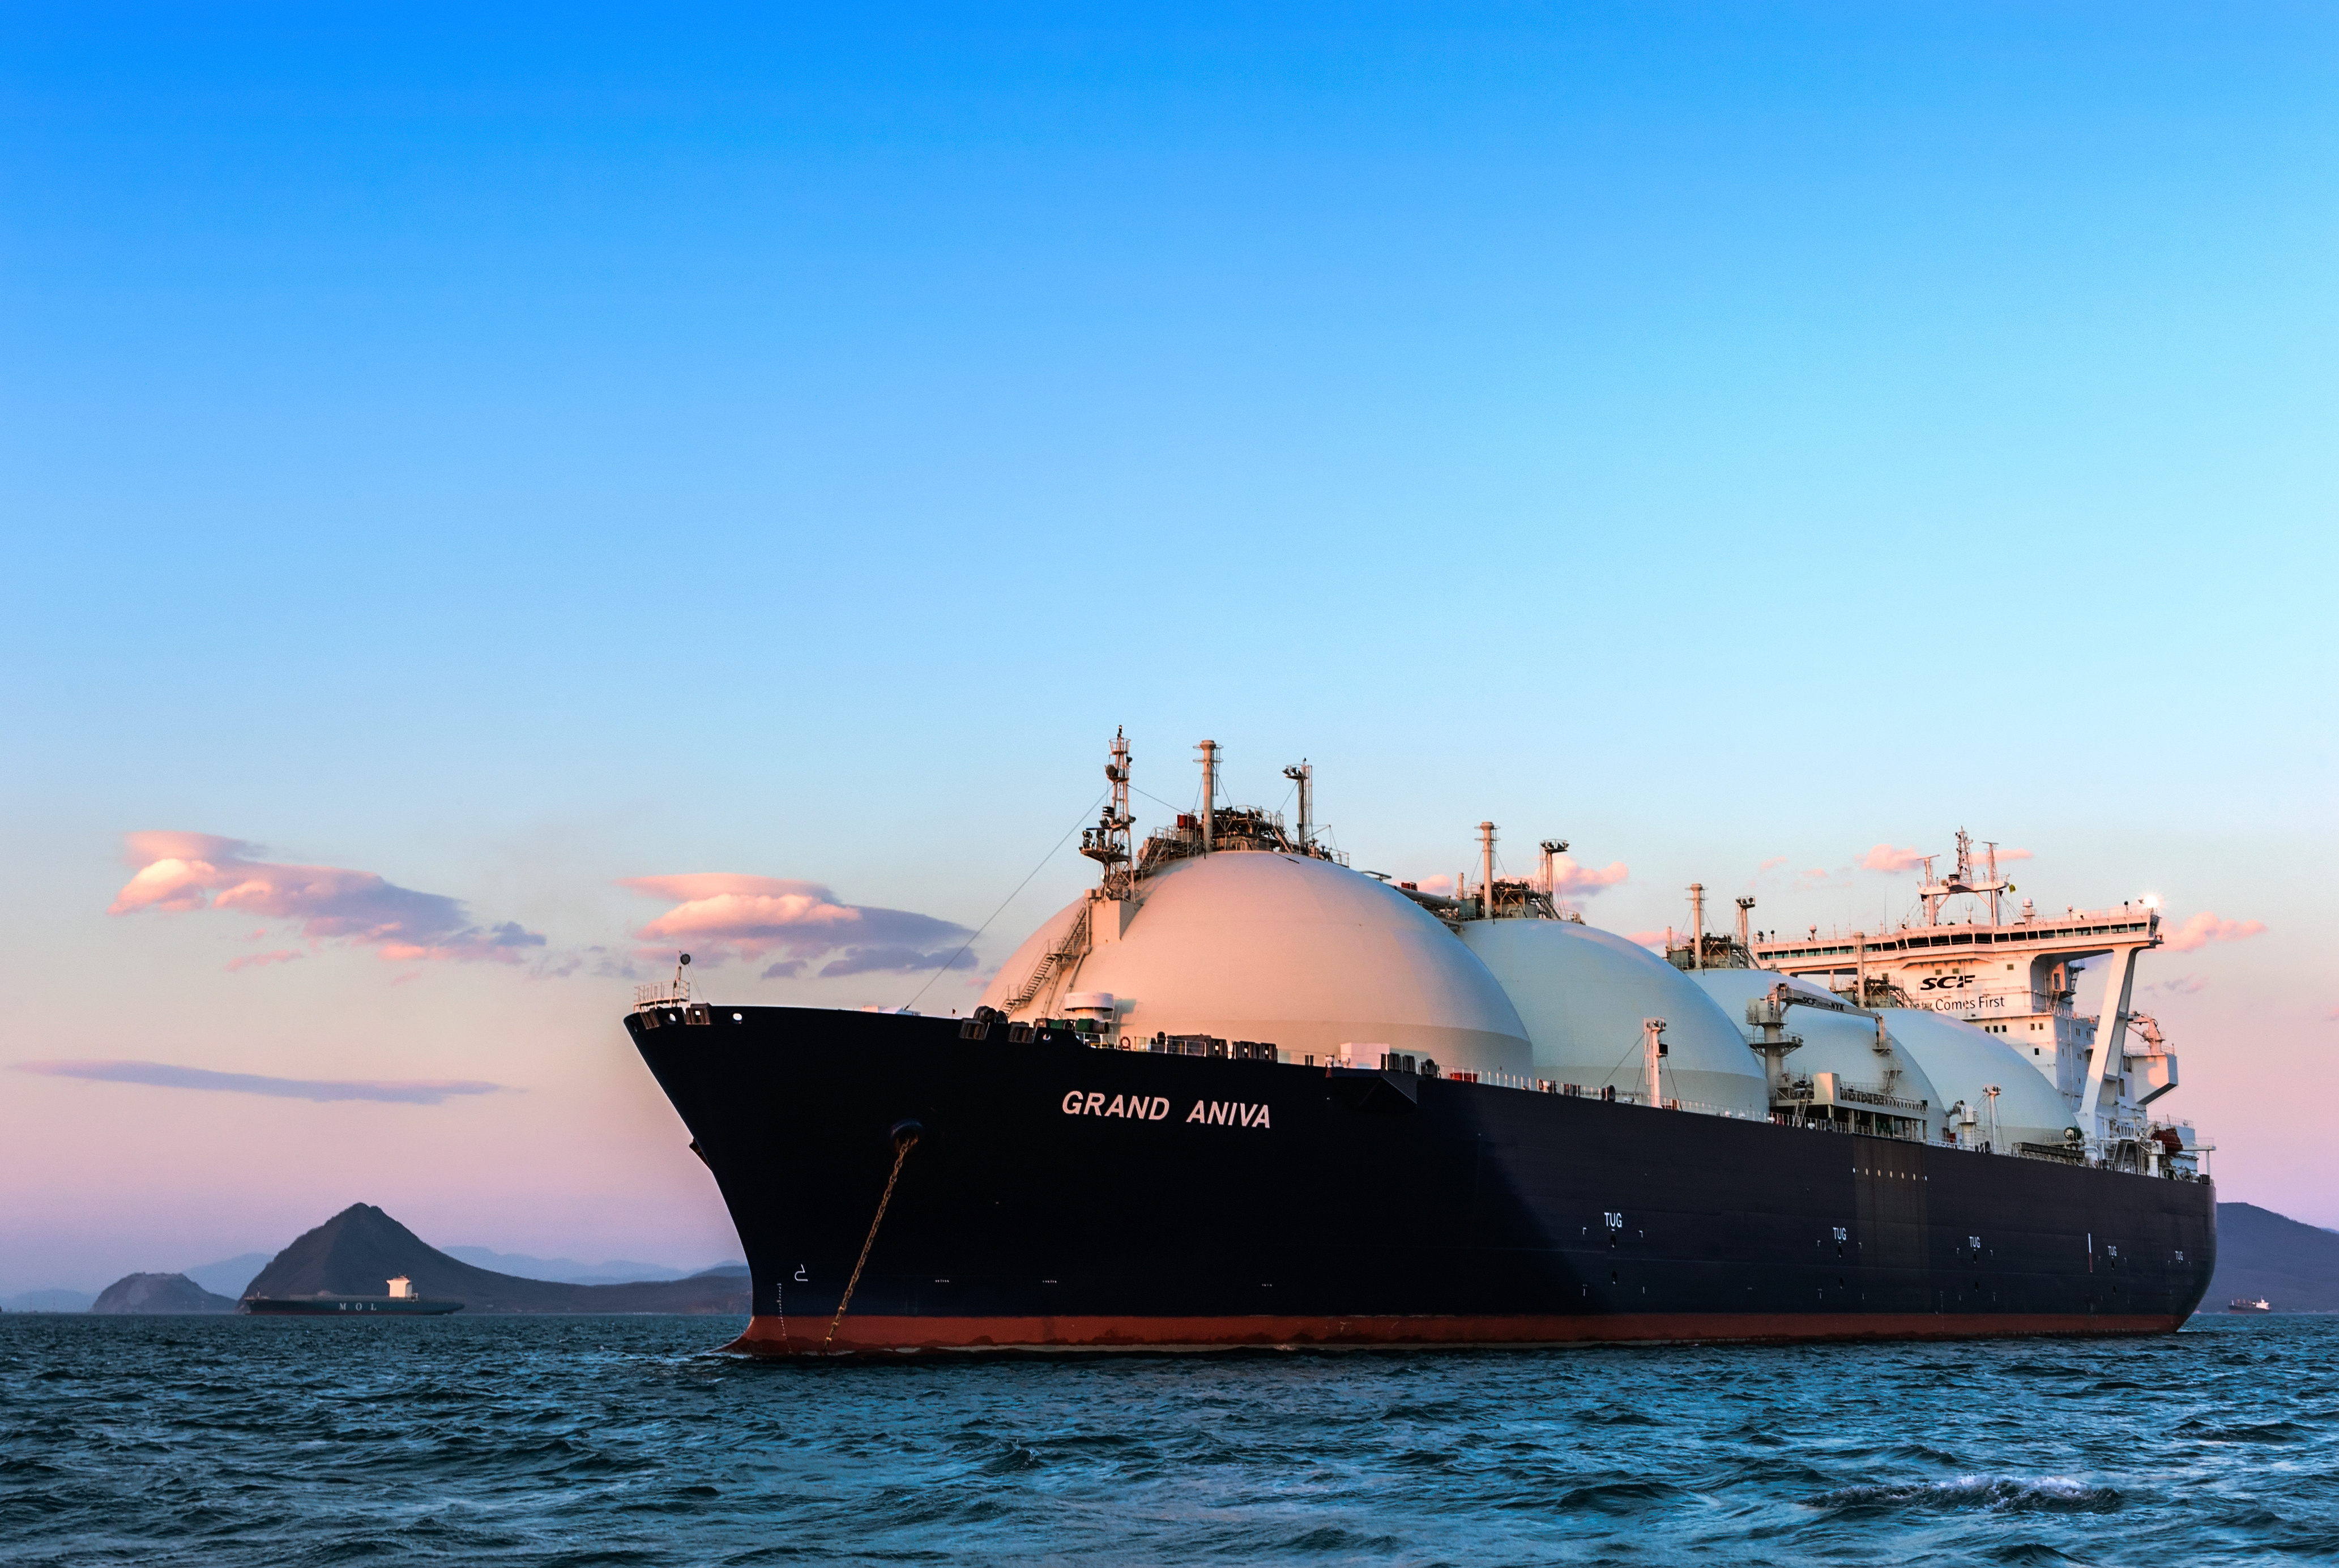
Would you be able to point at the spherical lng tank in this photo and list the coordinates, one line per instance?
(1964, 1062)
(1581, 994)
(1838, 1042)
(1289, 950)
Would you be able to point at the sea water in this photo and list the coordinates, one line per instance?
(619, 1440)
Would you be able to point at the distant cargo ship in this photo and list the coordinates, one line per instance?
(401, 1301)
(2244, 1303)
(1242, 1094)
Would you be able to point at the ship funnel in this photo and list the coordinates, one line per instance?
(1209, 750)
(1487, 870)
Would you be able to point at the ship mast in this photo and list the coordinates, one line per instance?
(1107, 844)
(1966, 878)
(1117, 771)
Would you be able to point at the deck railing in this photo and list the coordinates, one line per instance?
(661, 993)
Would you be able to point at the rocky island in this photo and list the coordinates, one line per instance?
(158, 1293)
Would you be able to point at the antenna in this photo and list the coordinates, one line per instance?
(1743, 905)
(1304, 774)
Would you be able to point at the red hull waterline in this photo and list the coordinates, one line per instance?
(879, 1336)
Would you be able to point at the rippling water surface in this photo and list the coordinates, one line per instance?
(617, 1440)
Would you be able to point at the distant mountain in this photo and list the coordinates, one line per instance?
(2294, 1266)
(229, 1276)
(616, 1271)
(48, 1301)
(359, 1249)
(159, 1293)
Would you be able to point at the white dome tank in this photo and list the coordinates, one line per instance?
(1583, 993)
(1963, 1061)
(1301, 953)
(1835, 1043)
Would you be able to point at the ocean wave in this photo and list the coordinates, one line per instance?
(1619, 1496)
(1981, 1494)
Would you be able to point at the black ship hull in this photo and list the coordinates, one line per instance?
(1060, 1198)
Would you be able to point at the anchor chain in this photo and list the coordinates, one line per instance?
(903, 1141)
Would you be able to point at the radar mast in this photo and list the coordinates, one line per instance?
(1107, 844)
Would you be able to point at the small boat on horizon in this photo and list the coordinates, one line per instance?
(2244, 1303)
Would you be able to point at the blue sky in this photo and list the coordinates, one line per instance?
(513, 456)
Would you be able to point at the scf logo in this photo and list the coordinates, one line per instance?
(1945, 982)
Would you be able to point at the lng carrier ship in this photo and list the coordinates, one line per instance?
(1240, 1093)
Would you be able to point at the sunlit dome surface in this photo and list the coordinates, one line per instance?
(1836, 1043)
(1301, 953)
(1583, 993)
(1963, 1061)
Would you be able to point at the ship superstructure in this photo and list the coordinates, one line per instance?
(2021, 975)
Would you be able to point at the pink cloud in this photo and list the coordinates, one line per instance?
(2332, 1015)
(170, 1075)
(1568, 877)
(1766, 865)
(1884, 857)
(1655, 939)
(1584, 880)
(179, 872)
(2204, 928)
(2178, 985)
(721, 915)
(281, 955)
